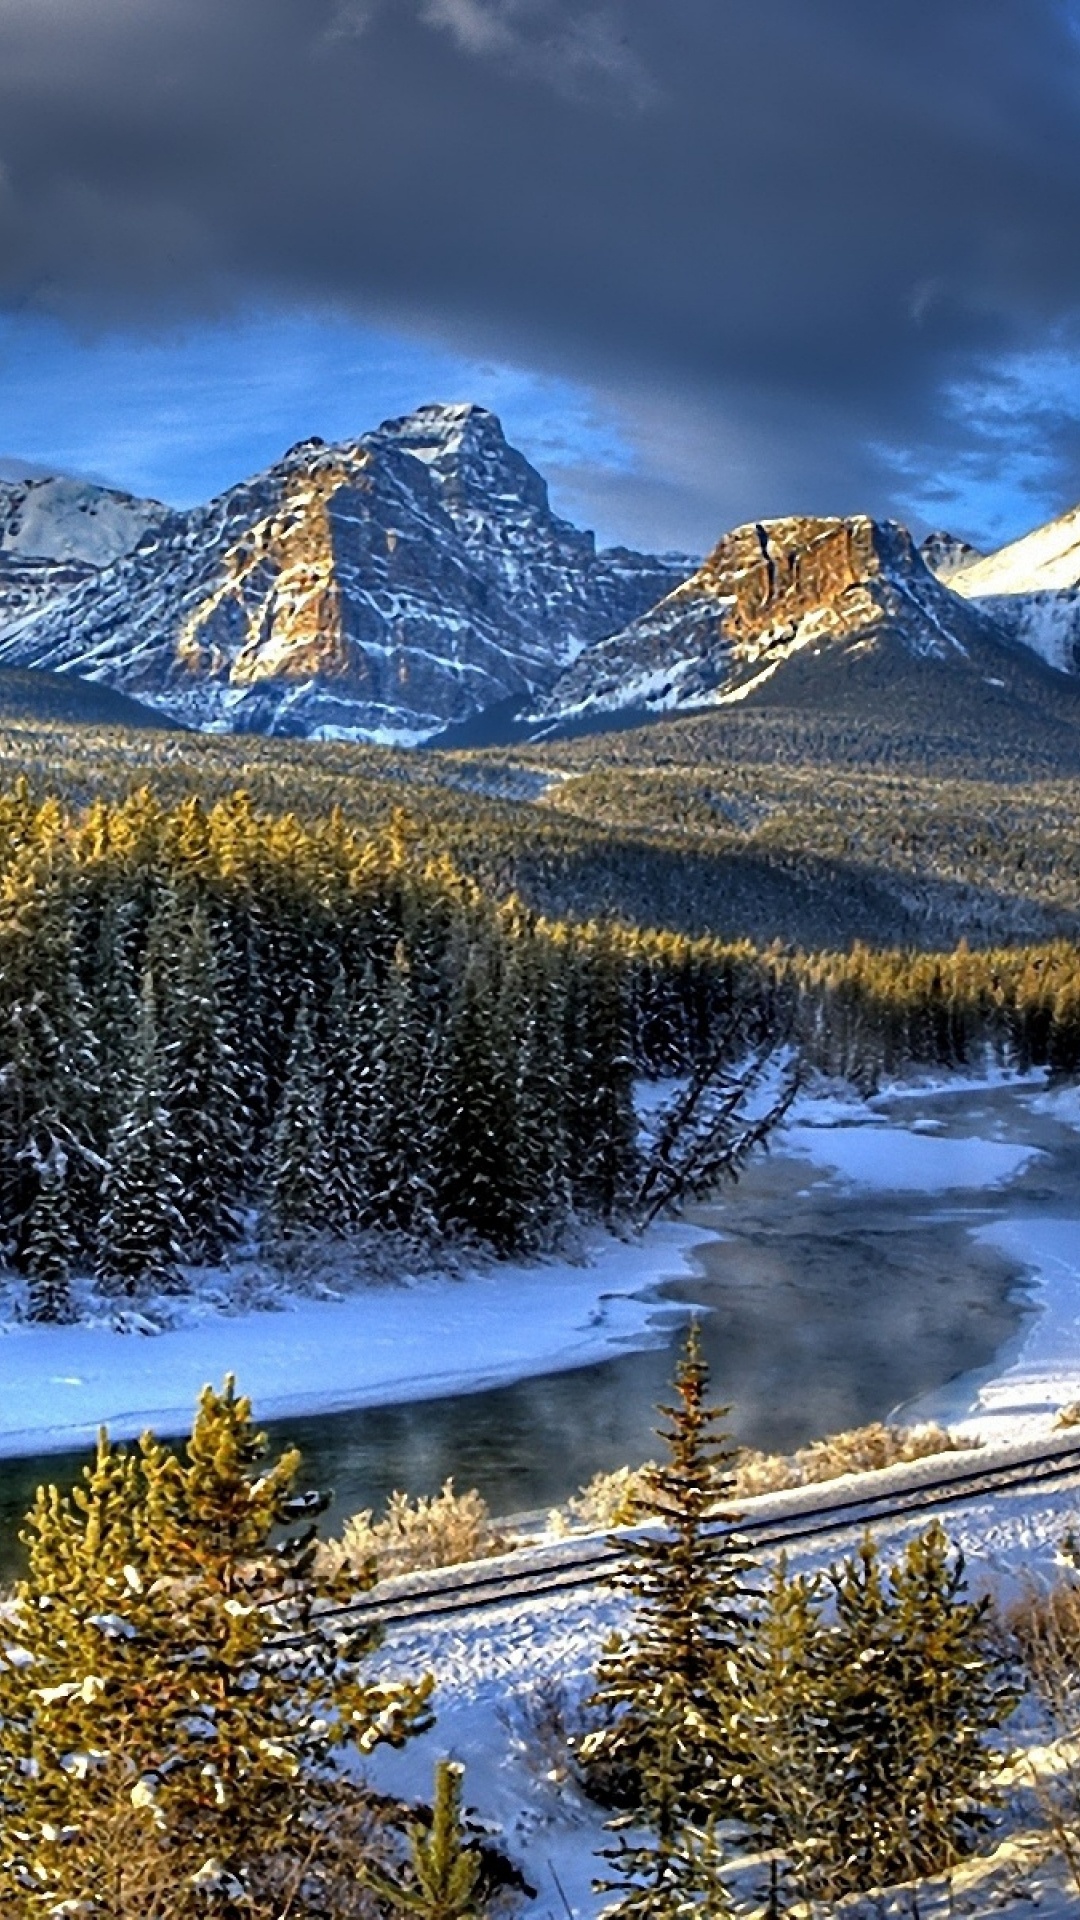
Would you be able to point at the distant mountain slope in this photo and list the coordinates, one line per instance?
(60, 519)
(1031, 589)
(781, 596)
(28, 694)
(380, 589)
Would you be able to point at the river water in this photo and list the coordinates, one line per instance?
(829, 1301)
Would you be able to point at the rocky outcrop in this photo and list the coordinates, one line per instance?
(383, 588)
(946, 555)
(770, 590)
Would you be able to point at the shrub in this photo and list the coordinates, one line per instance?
(859, 1450)
(615, 1499)
(443, 1531)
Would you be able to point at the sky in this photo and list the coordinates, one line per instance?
(710, 260)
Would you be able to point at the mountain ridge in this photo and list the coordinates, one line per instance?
(380, 588)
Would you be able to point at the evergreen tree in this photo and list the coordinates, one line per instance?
(673, 1669)
(298, 1158)
(398, 1099)
(672, 1871)
(347, 1037)
(476, 1114)
(160, 1668)
(51, 1244)
(782, 1732)
(442, 1881)
(203, 1090)
(141, 1227)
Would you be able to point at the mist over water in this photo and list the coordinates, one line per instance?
(827, 1306)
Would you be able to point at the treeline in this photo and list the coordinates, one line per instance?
(206, 1011)
(866, 1013)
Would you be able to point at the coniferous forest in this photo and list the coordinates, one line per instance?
(223, 1019)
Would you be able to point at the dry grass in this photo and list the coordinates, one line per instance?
(859, 1450)
(616, 1499)
(443, 1531)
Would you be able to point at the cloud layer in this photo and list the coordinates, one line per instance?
(775, 235)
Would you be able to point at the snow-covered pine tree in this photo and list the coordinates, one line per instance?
(914, 1691)
(671, 1871)
(674, 1667)
(198, 1040)
(603, 1129)
(950, 1692)
(163, 1697)
(47, 1050)
(398, 1095)
(529, 1023)
(296, 1198)
(476, 1118)
(140, 1230)
(51, 1244)
(782, 1737)
(347, 1027)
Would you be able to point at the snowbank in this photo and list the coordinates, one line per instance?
(895, 1159)
(1039, 1371)
(376, 1347)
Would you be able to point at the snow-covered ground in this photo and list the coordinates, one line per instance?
(506, 1678)
(375, 1346)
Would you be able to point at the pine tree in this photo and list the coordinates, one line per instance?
(780, 1727)
(141, 1228)
(398, 1097)
(161, 1682)
(442, 1881)
(688, 1580)
(476, 1115)
(347, 1037)
(203, 1086)
(949, 1692)
(298, 1159)
(51, 1244)
(672, 1871)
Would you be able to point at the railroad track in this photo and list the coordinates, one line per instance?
(766, 1524)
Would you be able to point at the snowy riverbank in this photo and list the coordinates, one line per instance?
(377, 1346)
(384, 1343)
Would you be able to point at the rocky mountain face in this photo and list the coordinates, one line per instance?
(769, 592)
(1031, 589)
(383, 589)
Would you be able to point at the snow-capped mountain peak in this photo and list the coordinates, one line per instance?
(1031, 588)
(769, 591)
(382, 588)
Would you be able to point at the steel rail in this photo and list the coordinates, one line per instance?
(567, 1566)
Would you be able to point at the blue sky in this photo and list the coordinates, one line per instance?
(181, 414)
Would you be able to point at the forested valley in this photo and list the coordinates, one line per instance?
(254, 991)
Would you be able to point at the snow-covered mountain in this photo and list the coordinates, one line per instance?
(945, 554)
(770, 591)
(1031, 588)
(381, 588)
(56, 518)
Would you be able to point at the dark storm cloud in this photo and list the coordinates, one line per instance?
(780, 226)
